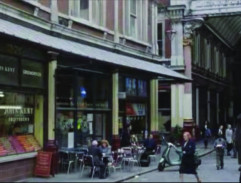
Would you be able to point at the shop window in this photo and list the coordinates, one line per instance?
(136, 87)
(85, 92)
(102, 93)
(64, 126)
(17, 123)
(64, 90)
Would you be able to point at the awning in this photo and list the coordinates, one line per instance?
(9, 28)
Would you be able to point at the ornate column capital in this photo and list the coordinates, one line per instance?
(189, 26)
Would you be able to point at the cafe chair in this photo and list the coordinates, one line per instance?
(116, 164)
(153, 157)
(67, 159)
(136, 161)
(88, 162)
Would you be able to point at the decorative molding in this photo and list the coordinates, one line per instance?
(190, 25)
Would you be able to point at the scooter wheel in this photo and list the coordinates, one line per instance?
(161, 167)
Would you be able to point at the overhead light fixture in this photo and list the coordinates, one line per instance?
(17, 107)
(171, 33)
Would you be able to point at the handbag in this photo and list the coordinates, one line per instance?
(197, 160)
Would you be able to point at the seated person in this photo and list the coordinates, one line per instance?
(150, 143)
(105, 147)
(95, 151)
(134, 141)
(150, 146)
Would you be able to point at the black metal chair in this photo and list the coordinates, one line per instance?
(88, 162)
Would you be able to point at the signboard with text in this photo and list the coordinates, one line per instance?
(9, 70)
(43, 164)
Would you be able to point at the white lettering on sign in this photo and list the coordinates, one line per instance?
(24, 111)
(7, 69)
(32, 73)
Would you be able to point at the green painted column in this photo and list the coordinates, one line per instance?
(115, 102)
(154, 105)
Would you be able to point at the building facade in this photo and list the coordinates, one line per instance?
(73, 71)
(200, 47)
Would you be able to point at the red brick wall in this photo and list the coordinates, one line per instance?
(16, 170)
(121, 16)
(167, 40)
(63, 6)
(20, 5)
(110, 14)
(46, 3)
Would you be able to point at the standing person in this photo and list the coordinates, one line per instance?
(220, 145)
(238, 142)
(220, 131)
(95, 151)
(188, 162)
(206, 134)
(229, 135)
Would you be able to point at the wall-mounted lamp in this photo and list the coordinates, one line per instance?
(171, 33)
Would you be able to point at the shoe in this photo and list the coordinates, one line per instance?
(221, 167)
(239, 169)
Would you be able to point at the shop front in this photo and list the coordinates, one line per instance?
(83, 106)
(22, 90)
(134, 107)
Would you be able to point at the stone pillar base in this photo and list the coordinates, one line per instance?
(116, 143)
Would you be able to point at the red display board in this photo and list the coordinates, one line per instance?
(43, 164)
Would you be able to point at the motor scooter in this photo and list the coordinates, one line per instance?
(165, 159)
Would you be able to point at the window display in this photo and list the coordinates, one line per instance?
(17, 123)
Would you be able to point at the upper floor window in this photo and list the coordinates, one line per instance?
(136, 17)
(160, 39)
(91, 10)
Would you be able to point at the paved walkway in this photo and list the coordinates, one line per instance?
(119, 176)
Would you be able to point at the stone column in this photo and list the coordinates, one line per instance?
(52, 66)
(54, 11)
(115, 111)
(154, 105)
(116, 23)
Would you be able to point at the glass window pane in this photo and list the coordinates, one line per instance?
(131, 86)
(84, 9)
(133, 6)
(16, 114)
(142, 88)
(64, 90)
(102, 93)
(85, 92)
(64, 125)
(133, 26)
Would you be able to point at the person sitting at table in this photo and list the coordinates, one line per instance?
(150, 146)
(105, 147)
(134, 140)
(96, 152)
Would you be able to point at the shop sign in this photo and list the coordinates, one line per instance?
(32, 74)
(135, 109)
(19, 115)
(122, 95)
(8, 70)
(43, 164)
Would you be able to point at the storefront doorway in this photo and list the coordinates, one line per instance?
(83, 107)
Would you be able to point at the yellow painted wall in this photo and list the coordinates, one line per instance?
(38, 119)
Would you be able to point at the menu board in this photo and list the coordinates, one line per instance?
(43, 164)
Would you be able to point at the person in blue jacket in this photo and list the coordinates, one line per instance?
(188, 160)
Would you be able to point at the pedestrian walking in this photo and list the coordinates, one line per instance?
(229, 139)
(188, 161)
(206, 135)
(220, 131)
(220, 145)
